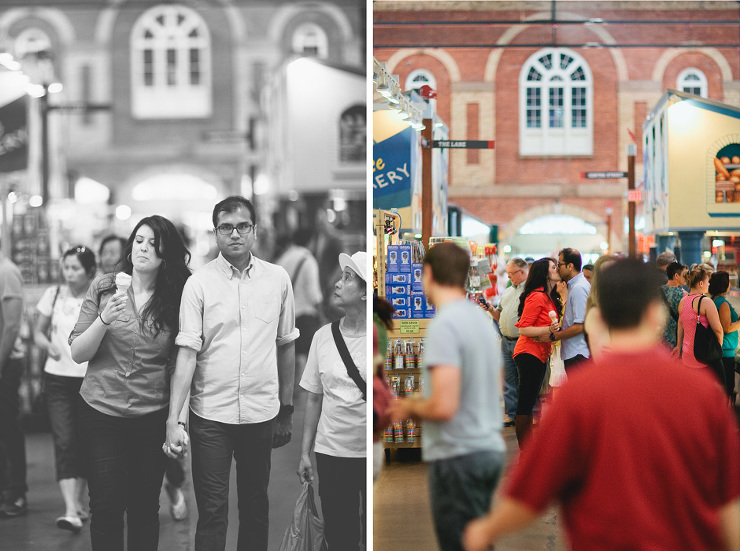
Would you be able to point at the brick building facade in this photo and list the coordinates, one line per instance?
(478, 53)
(182, 86)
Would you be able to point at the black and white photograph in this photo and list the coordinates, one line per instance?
(183, 269)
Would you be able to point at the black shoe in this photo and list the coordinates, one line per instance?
(14, 507)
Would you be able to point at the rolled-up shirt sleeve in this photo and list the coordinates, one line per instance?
(191, 317)
(89, 311)
(287, 332)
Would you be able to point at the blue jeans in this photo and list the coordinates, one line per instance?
(461, 490)
(213, 445)
(343, 502)
(125, 467)
(63, 403)
(12, 439)
(511, 377)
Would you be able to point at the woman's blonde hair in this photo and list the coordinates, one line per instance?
(697, 274)
(593, 299)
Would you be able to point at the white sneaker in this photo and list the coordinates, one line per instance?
(73, 524)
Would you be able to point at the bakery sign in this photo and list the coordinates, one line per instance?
(723, 174)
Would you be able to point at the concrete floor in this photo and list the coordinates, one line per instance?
(402, 519)
(37, 531)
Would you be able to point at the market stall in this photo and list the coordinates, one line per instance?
(691, 150)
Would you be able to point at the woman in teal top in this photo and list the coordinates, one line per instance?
(719, 284)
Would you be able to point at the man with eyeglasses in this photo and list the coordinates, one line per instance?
(237, 358)
(575, 348)
(507, 315)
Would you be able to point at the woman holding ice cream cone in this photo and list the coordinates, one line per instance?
(126, 332)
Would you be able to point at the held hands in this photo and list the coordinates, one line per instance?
(283, 430)
(177, 442)
(305, 469)
(113, 308)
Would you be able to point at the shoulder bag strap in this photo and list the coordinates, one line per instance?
(668, 305)
(297, 271)
(53, 303)
(352, 370)
(698, 309)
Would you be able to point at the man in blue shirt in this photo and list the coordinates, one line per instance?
(575, 348)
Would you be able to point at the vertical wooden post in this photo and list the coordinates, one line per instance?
(427, 203)
(631, 205)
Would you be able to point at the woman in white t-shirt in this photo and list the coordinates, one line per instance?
(336, 419)
(59, 309)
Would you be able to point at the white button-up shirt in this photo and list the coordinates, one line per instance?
(235, 321)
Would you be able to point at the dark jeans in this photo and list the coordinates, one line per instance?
(213, 445)
(511, 377)
(574, 361)
(63, 403)
(125, 466)
(12, 439)
(531, 374)
(175, 473)
(729, 372)
(342, 487)
(461, 489)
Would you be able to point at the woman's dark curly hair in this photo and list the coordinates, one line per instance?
(539, 273)
(163, 309)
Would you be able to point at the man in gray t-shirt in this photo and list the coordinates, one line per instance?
(462, 392)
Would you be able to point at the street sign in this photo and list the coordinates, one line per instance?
(71, 107)
(634, 195)
(603, 175)
(463, 144)
(224, 136)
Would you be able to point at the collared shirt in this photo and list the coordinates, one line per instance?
(129, 375)
(235, 321)
(509, 308)
(575, 312)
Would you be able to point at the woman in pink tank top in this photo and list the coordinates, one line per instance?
(698, 280)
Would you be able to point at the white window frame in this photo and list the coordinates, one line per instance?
(169, 93)
(566, 139)
(311, 40)
(413, 84)
(692, 78)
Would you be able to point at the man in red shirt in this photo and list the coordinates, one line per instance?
(642, 453)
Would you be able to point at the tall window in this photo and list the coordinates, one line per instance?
(556, 104)
(310, 39)
(692, 81)
(418, 78)
(170, 64)
(353, 135)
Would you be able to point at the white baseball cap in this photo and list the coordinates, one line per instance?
(357, 262)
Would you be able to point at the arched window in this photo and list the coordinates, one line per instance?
(170, 64)
(418, 78)
(31, 41)
(310, 39)
(353, 135)
(555, 104)
(692, 81)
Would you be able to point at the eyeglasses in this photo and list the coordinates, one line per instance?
(562, 264)
(514, 272)
(227, 229)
